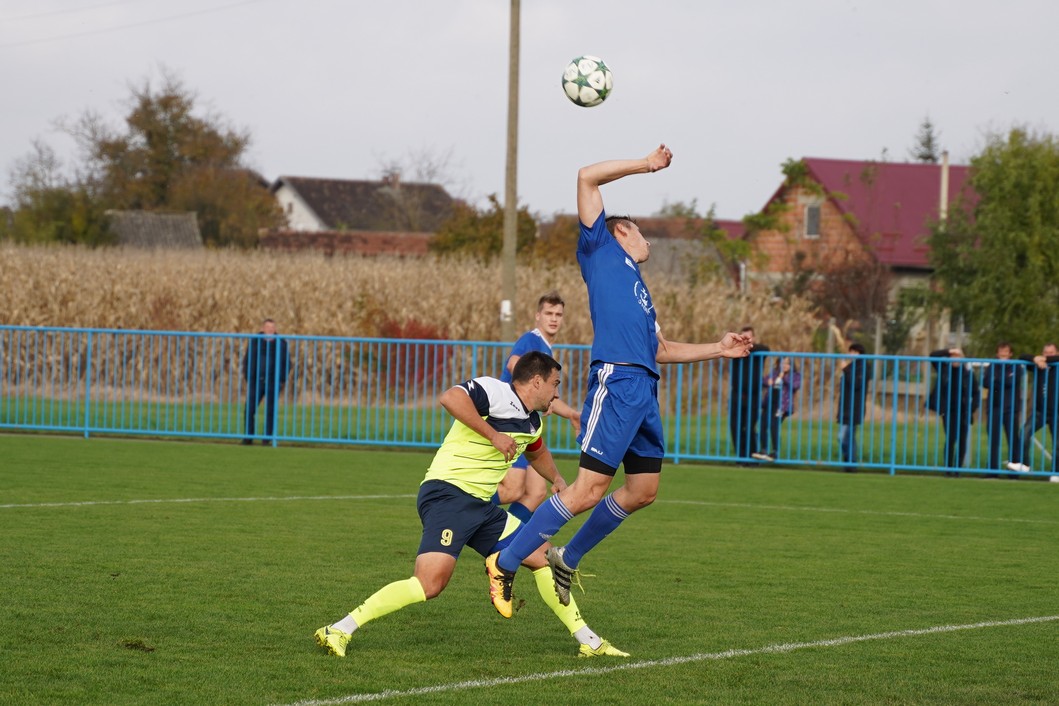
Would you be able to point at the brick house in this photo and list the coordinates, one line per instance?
(845, 209)
(384, 217)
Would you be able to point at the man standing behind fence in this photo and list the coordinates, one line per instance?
(955, 397)
(265, 367)
(746, 398)
(1003, 383)
(852, 393)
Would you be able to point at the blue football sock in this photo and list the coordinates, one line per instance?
(546, 521)
(496, 498)
(520, 511)
(604, 519)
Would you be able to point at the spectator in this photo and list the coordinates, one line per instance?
(1004, 383)
(777, 403)
(1045, 408)
(852, 393)
(955, 396)
(745, 397)
(265, 367)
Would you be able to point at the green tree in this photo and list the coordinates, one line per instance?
(479, 233)
(927, 148)
(996, 260)
(166, 157)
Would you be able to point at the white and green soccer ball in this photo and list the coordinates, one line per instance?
(587, 81)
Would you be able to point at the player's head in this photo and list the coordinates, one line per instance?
(856, 348)
(549, 317)
(536, 377)
(1003, 350)
(627, 233)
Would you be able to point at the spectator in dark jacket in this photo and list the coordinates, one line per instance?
(265, 367)
(1045, 409)
(852, 393)
(1004, 382)
(955, 397)
(745, 397)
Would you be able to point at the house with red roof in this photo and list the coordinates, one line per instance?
(842, 209)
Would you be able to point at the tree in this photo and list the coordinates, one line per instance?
(996, 260)
(926, 148)
(479, 233)
(166, 157)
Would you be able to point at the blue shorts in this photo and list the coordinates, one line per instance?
(521, 462)
(453, 518)
(621, 414)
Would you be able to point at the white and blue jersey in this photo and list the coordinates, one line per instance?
(623, 316)
(620, 415)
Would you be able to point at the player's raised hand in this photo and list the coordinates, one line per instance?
(660, 158)
(736, 345)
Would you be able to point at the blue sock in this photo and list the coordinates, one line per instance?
(520, 511)
(604, 519)
(546, 521)
(496, 498)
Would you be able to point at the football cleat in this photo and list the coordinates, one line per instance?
(606, 649)
(334, 640)
(561, 574)
(500, 585)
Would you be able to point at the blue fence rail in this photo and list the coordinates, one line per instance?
(971, 416)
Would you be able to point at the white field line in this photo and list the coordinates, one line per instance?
(748, 506)
(881, 513)
(668, 662)
(165, 501)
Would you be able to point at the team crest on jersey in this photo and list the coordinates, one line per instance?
(642, 296)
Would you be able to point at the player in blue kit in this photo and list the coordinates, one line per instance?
(621, 422)
(523, 490)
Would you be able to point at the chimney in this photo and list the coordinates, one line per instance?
(943, 207)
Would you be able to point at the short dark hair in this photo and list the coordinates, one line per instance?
(613, 221)
(1003, 344)
(859, 347)
(552, 298)
(533, 364)
(746, 329)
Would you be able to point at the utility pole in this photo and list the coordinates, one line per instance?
(507, 256)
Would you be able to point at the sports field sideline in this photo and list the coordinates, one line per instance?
(167, 572)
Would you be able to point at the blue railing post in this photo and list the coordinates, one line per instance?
(679, 407)
(895, 380)
(88, 384)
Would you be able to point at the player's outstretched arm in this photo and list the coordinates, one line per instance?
(542, 462)
(732, 345)
(590, 178)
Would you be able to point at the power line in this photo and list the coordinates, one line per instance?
(132, 25)
(67, 11)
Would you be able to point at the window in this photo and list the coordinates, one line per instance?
(812, 221)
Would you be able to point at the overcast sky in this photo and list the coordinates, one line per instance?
(338, 88)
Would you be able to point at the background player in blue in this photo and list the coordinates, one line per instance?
(494, 422)
(525, 491)
(621, 423)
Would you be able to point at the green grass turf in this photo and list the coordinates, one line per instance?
(215, 602)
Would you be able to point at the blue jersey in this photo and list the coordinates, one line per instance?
(529, 341)
(623, 317)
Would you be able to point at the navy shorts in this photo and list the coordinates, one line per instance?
(621, 415)
(453, 518)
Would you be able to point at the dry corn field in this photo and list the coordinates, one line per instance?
(310, 294)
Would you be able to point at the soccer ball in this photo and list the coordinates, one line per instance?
(587, 81)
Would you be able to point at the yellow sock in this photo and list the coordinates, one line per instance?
(389, 598)
(569, 614)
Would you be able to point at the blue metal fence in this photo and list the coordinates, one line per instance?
(970, 416)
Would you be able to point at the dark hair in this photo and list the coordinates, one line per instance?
(552, 298)
(533, 364)
(859, 347)
(1003, 344)
(613, 221)
(746, 328)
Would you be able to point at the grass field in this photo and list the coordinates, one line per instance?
(166, 572)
